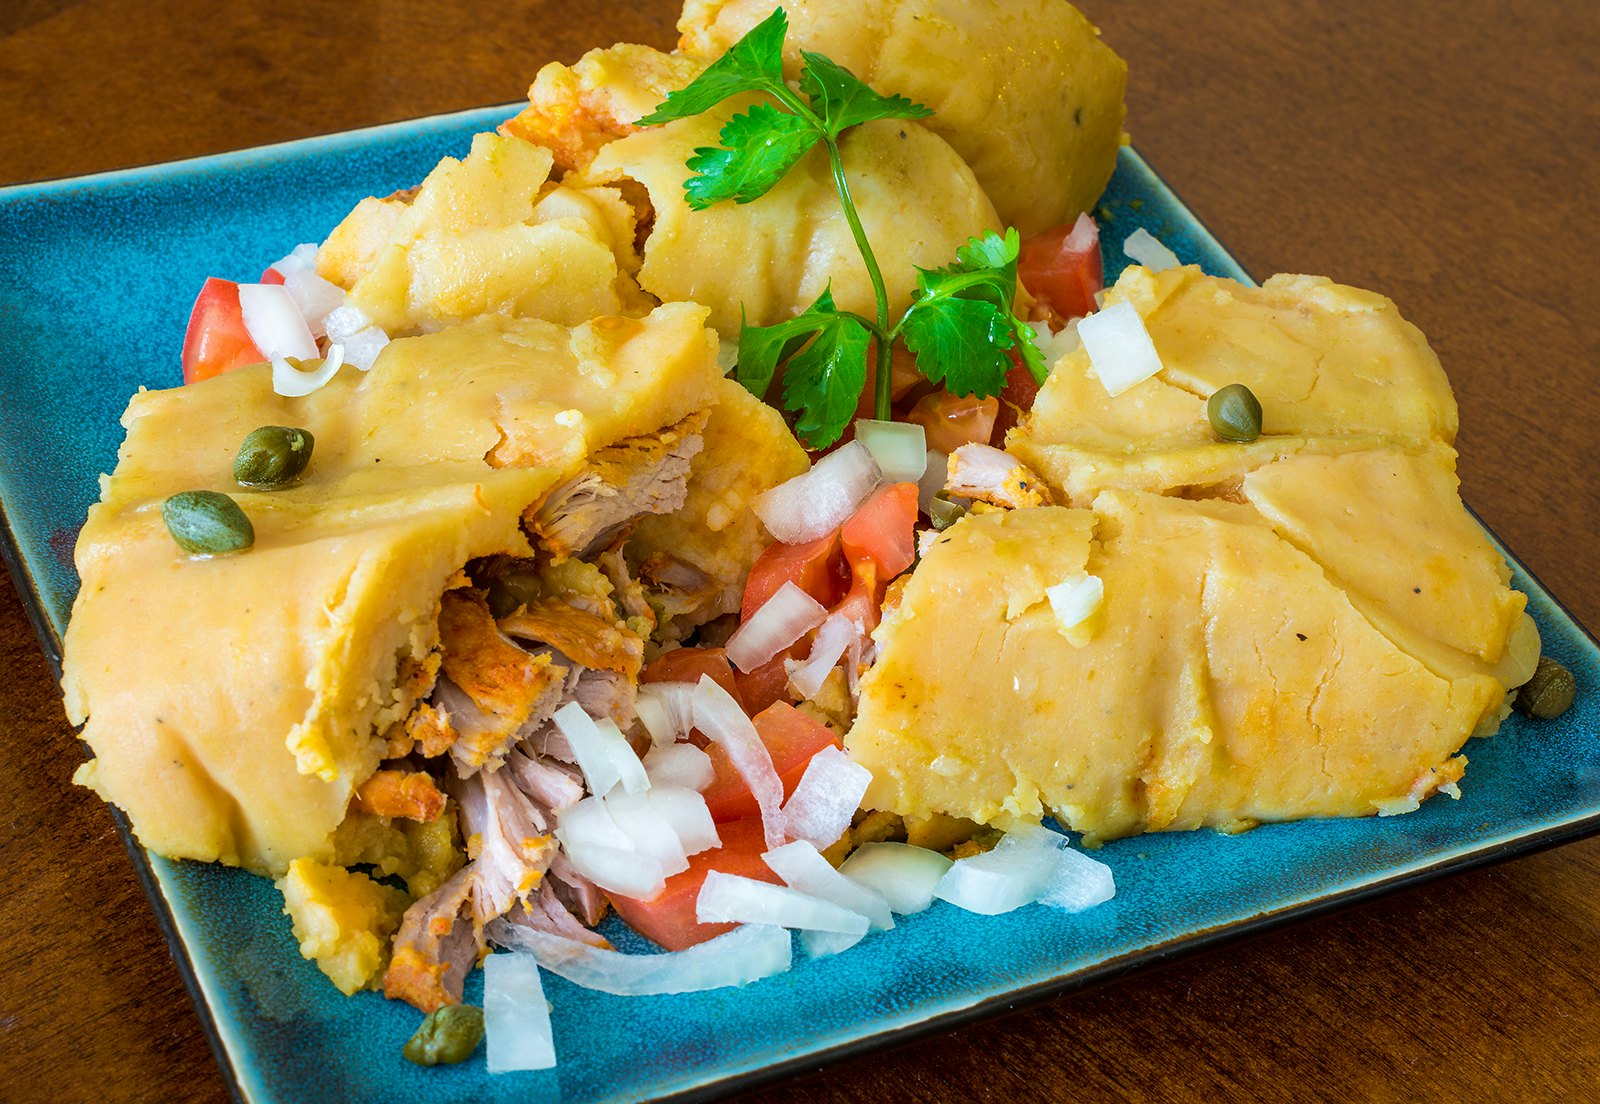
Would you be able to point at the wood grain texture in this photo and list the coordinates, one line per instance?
(1446, 154)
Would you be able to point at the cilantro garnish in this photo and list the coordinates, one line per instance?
(960, 325)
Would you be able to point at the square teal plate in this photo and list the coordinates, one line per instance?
(96, 279)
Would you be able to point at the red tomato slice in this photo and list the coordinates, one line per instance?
(217, 341)
(950, 421)
(864, 603)
(765, 685)
(688, 664)
(883, 530)
(271, 275)
(792, 738)
(1062, 267)
(1016, 399)
(815, 567)
(669, 916)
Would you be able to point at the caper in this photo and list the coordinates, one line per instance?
(1235, 413)
(449, 1035)
(945, 513)
(510, 592)
(207, 523)
(272, 456)
(1548, 693)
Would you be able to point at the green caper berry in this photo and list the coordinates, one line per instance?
(1235, 413)
(945, 513)
(449, 1035)
(509, 593)
(207, 523)
(272, 456)
(1548, 693)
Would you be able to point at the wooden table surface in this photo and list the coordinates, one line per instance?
(1446, 154)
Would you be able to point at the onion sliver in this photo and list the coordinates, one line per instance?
(832, 640)
(1085, 233)
(899, 448)
(1014, 873)
(363, 346)
(723, 721)
(820, 944)
(688, 815)
(315, 297)
(781, 620)
(827, 797)
(617, 870)
(1119, 347)
(516, 1017)
(1078, 882)
(816, 503)
(1074, 600)
(901, 874)
(602, 751)
(729, 898)
(802, 867)
(932, 481)
(647, 830)
(292, 383)
(679, 765)
(743, 955)
(665, 710)
(302, 258)
(1147, 249)
(274, 322)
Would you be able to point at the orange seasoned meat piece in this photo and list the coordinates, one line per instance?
(400, 793)
(582, 637)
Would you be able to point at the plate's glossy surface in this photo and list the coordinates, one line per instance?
(96, 278)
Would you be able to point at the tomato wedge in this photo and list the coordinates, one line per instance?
(883, 530)
(669, 916)
(765, 685)
(1016, 399)
(271, 275)
(1062, 268)
(950, 421)
(688, 664)
(217, 340)
(815, 567)
(791, 737)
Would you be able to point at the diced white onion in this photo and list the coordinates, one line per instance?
(516, 1017)
(1015, 873)
(816, 503)
(1055, 344)
(687, 814)
(274, 322)
(292, 383)
(820, 944)
(648, 832)
(781, 620)
(729, 898)
(365, 345)
(302, 258)
(346, 321)
(604, 852)
(826, 799)
(678, 765)
(1078, 882)
(1147, 249)
(901, 874)
(315, 297)
(1074, 600)
(724, 722)
(1119, 347)
(925, 539)
(588, 823)
(802, 867)
(830, 644)
(602, 751)
(932, 481)
(1085, 233)
(739, 957)
(665, 710)
(900, 448)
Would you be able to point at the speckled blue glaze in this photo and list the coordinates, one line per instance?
(96, 279)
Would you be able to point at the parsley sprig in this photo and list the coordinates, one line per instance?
(960, 324)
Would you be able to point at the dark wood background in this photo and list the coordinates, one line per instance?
(1447, 154)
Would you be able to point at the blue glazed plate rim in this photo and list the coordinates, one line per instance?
(218, 1034)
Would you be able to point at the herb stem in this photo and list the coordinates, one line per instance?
(881, 405)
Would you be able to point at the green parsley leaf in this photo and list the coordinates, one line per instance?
(763, 348)
(823, 381)
(753, 64)
(961, 343)
(843, 100)
(758, 149)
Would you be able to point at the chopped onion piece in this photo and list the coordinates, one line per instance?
(589, 823)
(743, 955)
(687, 814)
(617, 870)
(1147, 249)
(830, 644)
(819, 944)
(516, 1017)
(364, 346)
(315, 297)
(1075, 599)
(346, 321)
(1015, 873)
(679, 765)
(1085, 233)
(802, 867)
(723, 721)
(292, 383)
(827, 797)
(274, 322)
(602, 751)
(1078, 882)
(302, 258)
(900, 448)
(729, 898)
(665, 709)
(1057, 344)
(1120, 350)
(932, 481)
(901, 874)
(649, 833)
(816, 503)
(781, 620)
